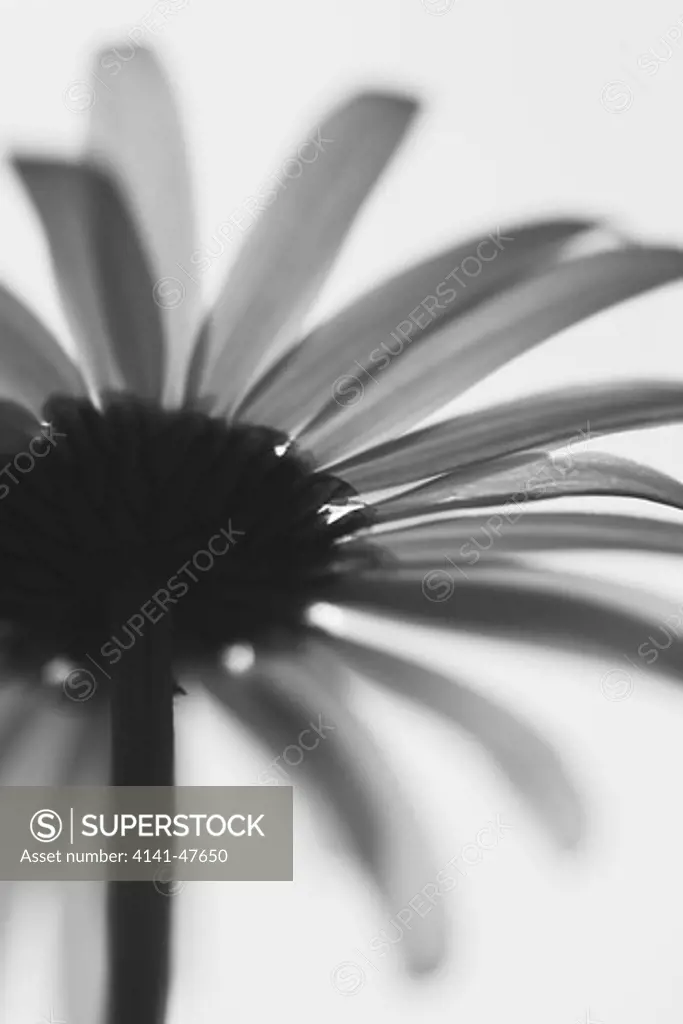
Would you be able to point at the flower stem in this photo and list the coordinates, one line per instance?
(142, 754)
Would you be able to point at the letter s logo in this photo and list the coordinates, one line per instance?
(46, 826)
(347, 390)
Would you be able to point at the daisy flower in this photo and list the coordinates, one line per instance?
(197, 498)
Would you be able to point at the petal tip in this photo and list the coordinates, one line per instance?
(423, 962)
(388, 100)
(115, 48)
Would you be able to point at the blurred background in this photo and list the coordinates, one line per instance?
(531, 109)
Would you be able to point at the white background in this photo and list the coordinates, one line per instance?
(522, 119)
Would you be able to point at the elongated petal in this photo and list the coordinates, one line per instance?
(553, 418)
(20, 706)
(466, 481)
(539, 476)
(84, 903)
(464, 541)
(19, 709)
(47, 744)
(66, 740)
(87, 759)
(427, 376)
(339, 360)
(33, 365)
(84, 958)
(136, 134)
(102, 272)
(552, 609)
(283, 698)
(530, 764)
(291, 248)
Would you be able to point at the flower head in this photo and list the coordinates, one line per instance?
(198, 498)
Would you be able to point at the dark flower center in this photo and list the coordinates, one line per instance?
(224, 527)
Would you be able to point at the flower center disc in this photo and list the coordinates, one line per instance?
(225, 527)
